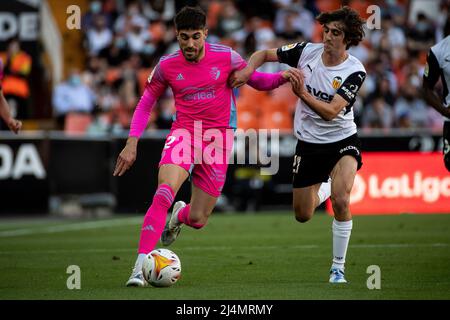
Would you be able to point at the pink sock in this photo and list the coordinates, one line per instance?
(155, 218)
(183, 216)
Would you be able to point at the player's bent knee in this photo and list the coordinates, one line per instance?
(340, 203)
(198, 219)
(302, 215)
(302, 219)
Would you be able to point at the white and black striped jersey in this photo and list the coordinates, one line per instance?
(323, 83)
(438, 65)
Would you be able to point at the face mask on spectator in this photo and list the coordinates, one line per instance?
(75, 80)
(421, 26)
(120, 43)
(148, 49)
(133, 10)
(96, 7)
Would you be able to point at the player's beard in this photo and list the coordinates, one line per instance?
(192, 55)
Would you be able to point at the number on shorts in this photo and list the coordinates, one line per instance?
(170, 140)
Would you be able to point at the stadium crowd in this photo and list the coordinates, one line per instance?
(125, 39)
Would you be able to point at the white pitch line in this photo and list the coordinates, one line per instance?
(216, 248)
(71, 227)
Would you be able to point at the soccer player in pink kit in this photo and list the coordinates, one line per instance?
(205, 109)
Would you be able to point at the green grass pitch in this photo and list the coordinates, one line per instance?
(247, 256)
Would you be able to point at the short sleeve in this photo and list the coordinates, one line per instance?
(432, 70)
(290, 54)
(349, 89)
(237, 62)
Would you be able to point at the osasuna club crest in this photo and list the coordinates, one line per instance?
(215, 73)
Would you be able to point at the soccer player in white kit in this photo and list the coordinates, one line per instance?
(328, 147)
(438, 65)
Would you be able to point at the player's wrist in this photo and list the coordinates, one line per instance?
(132, 140)
(249, 70)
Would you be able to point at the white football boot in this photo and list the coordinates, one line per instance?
(337, 276)
(173, 226)
(137, 278)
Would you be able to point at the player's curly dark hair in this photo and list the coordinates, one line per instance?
(190, 18)
(353, 24)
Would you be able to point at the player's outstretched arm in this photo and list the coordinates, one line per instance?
(257, 59)
(13, 124)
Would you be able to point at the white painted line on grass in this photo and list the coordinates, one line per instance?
(72, 227)
(215, 248)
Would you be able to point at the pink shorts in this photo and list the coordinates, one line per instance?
(205, 156)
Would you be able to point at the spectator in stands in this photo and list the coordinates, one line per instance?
(98, 37)
(289, 31)
(410, 106)
(138, 36)
(229, 20)
(421, 34)
(16, 70)
(72, 96)
(159, 10)
(382, 89)
(116, 53)
(302, 19)
(395, 35)
(133, 14)
(378, 114)
(95, 10)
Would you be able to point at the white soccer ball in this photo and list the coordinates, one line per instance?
(162, 268)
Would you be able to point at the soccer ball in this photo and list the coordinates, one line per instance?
(162, 268)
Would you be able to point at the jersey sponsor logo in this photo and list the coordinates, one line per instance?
(199, 94)
(215, 73)
(336, 83)
(347, 148)
(288, 47)
(319, 94)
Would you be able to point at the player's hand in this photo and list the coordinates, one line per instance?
(297, 81)
(14, 125)
(126, 158)
(239, 78)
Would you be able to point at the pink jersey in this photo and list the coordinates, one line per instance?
(200, 89)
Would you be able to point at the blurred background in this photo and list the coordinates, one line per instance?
(75, 89)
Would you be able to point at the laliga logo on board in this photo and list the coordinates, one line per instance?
(429, 189)
(359, 189)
